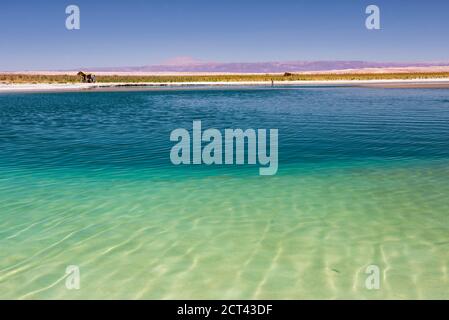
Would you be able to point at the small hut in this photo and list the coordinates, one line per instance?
(87, 77)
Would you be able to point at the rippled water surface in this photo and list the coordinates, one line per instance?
(86, 180)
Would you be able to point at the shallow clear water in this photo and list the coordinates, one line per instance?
(86, 180)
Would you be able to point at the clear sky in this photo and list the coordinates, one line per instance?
(143, 32)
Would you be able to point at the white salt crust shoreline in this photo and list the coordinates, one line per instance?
(55, 87)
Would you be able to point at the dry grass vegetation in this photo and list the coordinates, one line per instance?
(30, 78)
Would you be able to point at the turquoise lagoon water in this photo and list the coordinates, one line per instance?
(86, 180)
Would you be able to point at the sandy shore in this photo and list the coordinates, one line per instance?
(56, 87)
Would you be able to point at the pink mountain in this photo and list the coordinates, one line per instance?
(186, 64)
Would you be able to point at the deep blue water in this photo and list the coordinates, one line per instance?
(131, 129)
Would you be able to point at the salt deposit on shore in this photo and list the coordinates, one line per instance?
(55, 87)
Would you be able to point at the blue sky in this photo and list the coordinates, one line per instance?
(142, 32)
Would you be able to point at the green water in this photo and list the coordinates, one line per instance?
(85, 180)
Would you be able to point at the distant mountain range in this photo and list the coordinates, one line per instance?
(186, 65)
